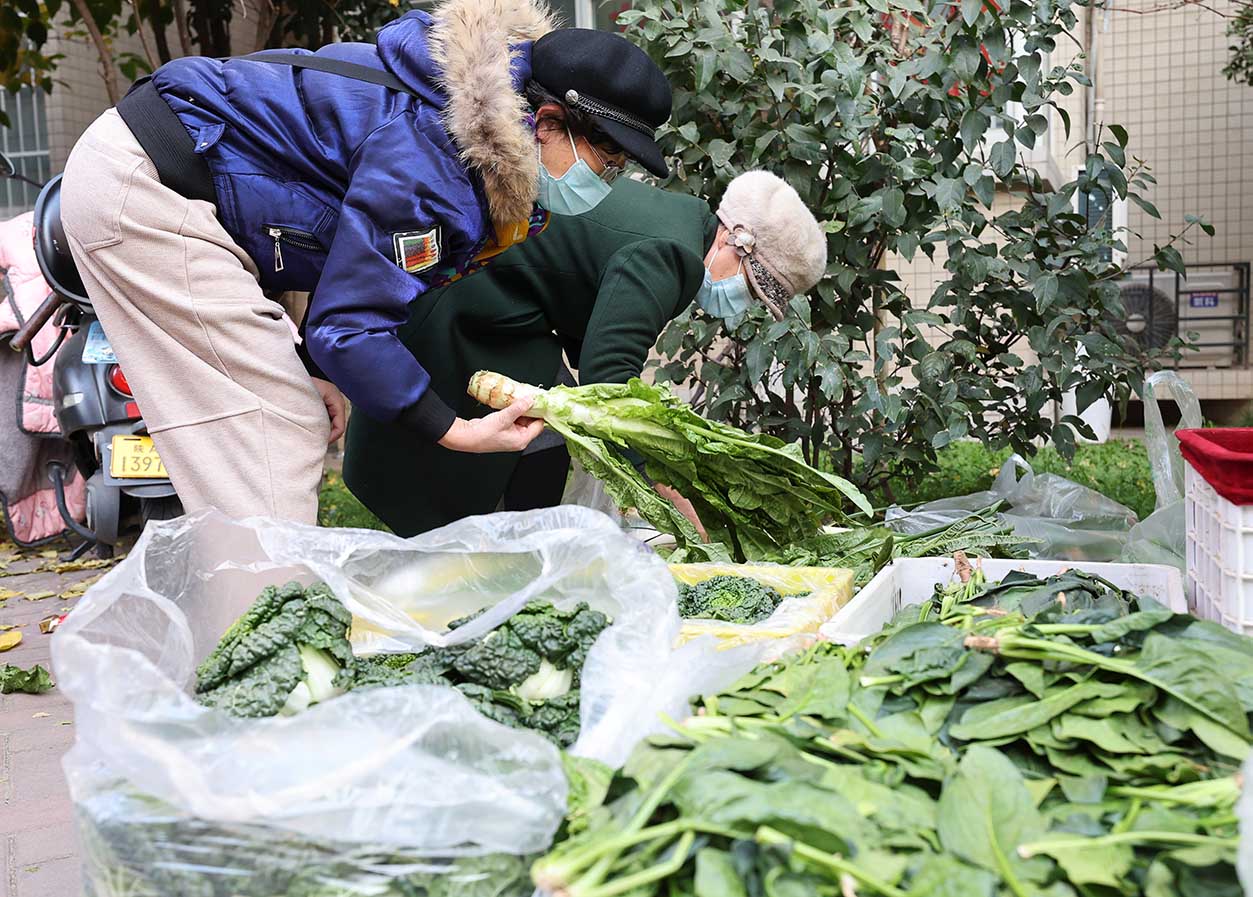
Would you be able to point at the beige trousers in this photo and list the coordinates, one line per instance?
(210, 359)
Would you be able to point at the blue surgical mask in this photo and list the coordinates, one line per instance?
(577, 191)
(726, 298)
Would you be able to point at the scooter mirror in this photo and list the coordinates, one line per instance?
(7, 168)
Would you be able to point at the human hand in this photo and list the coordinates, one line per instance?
(685, 507)
(333, 399)
(508, 430)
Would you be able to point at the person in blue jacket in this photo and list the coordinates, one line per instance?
(364, 174)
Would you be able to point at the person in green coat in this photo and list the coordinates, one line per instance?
(599, 286)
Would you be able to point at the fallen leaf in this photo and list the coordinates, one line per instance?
(7, 626)
(7, 593)
(34, 681)
(10, 640)
(40, 715)
(40, 596)
(66, 722)
(50, 553)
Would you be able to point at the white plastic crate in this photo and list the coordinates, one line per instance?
(1220, 555)
(913, 580)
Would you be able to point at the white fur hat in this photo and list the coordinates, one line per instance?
(785, 249)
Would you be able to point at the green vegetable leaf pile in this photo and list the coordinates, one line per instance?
(525, 673)
(754, 493)
(290, 650)
(34, 681)
(1034, 738)
(731, 599)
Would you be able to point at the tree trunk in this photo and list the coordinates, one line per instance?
(107, 69)
(204, 31)
(221, 36)
(267, 14)
(158, 31)
(149, 55)
(180, 23)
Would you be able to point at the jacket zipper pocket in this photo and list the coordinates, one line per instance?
(301, 239)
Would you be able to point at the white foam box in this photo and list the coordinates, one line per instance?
(913, 580)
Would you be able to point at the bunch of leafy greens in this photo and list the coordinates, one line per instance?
(754, 493)
(1041, 737)
(524, 674)
(137, 846)
(867, 550)
(732, 599)
(291, 650)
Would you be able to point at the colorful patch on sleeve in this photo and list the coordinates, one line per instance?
(417, 251)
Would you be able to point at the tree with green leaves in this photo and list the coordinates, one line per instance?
(1240, 30)
(881, 114)
(201, 27)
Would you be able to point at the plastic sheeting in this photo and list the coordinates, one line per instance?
(1161, 538)
(374, 780)
(1067, 521)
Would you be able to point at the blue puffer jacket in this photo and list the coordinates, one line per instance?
(363, 195)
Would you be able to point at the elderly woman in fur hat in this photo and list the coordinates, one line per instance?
(601, 286)
(363, 173)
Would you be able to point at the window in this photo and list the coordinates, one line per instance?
(25, 142)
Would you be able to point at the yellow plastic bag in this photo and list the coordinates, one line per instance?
(794, 623)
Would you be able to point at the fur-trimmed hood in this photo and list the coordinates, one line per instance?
(478, 53)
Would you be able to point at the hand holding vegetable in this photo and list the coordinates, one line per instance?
(684, 507)
(754, 493)
(508, 430)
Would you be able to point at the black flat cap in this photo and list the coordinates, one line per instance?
(611, 80)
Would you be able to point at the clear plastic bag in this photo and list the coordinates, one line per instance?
(1066, 520)
(1162, 538)
(409, 773)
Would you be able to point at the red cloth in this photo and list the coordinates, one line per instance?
(1224, 457)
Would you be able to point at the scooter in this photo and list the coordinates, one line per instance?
(127, 485)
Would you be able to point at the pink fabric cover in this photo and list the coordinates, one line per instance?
(33, 517)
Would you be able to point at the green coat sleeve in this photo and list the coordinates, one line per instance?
(644, 285)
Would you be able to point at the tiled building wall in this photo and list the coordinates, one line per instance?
(80, 95)
(1160, 76)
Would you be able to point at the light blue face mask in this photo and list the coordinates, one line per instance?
(577, 191)
(726, 298)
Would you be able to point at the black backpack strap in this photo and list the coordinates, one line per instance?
(332, 66)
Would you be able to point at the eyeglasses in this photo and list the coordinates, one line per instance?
(609, 169)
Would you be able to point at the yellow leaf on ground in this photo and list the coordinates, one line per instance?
(50, 553)
(39, 596)
(10, 640)
(7, 593)
(40, 715)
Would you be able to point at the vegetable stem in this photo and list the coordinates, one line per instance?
(629, 883)
(776, 838)
(1034, 848)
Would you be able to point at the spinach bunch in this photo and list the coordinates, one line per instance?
(1038, 737)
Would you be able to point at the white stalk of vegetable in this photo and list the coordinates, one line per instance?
(754, 493)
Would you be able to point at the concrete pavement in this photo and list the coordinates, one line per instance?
(38, 847)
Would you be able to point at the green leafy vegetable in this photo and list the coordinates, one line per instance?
(1031, 738)
(755, 494)
(525, 673)
(731, 599)
(288, 651)
(14, 679)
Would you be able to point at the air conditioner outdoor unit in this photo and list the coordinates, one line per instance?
(1208, 301)
(1093, 204)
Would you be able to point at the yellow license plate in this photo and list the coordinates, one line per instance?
(135, 458)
